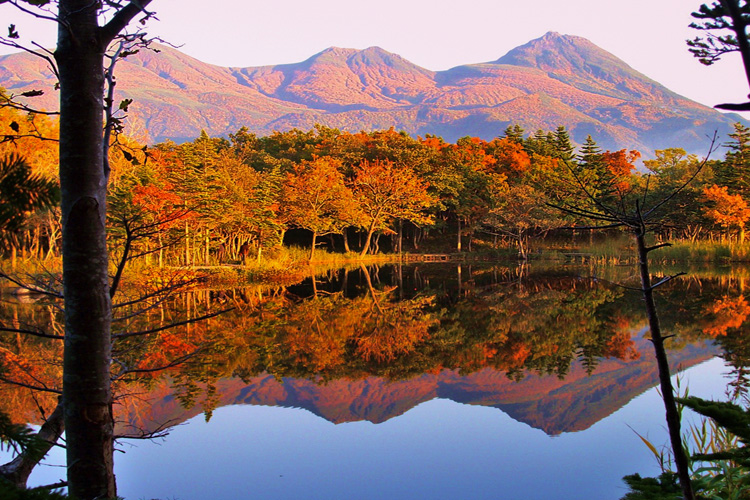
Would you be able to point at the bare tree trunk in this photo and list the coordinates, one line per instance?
(458, 243)
(400, 235)
(366, 245)
(19, 469)
(312, 247)
(84, 174)
(345, 234)
(88, 310)
(665, 381)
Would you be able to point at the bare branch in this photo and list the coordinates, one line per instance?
(29, 386)
(123, 17)
(30, 288)
(171, 325)
(665, 280)
(31, 332)
(656, 247)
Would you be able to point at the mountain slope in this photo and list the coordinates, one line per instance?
(549, 403)
(554, 80)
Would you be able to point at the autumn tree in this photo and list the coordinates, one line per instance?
(316, 199)
(670, 169)
(729, 211)
(385, 191)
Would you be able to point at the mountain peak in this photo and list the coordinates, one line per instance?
(554, 51)
(578, 62)
(554, 80)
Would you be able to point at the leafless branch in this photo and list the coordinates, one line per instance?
(171, 325)
(31, 332)
(30, 288)
(665, 280)
(42, 387)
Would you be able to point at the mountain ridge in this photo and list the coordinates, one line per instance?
(550, 81)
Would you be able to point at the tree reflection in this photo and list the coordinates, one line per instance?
(392, 323)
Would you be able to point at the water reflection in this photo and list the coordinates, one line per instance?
(552, 349)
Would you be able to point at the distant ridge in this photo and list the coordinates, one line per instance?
(548, 402)
(553, 80)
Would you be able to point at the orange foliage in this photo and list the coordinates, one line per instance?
(170, 346)
(511, 157)
(620, 166)
(727, 313)
(726, 210)
(621, 345)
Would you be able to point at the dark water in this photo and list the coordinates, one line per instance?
(426, 381)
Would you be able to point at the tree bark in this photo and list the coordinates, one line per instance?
(345, 234)
(665, 381)
(88, 310)
(84, 172)
(366, 245)
(458, 243)
(19, 469)
(312, 248)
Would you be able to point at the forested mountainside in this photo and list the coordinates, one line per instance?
(551, 81)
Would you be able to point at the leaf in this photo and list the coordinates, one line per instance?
(125, 103)
(14, 126)
(12, 33)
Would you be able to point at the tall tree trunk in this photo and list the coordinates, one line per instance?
(665, 381)
(87, 398)
(345, 234)
(458, 243)
(400, 240)
(312, 247)
(366, 245)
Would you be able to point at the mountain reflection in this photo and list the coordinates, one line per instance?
(552, 349)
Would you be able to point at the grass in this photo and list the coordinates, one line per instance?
(291, 264)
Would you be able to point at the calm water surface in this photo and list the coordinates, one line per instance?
(501, 385)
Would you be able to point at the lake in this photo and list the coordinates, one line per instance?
(421, 381)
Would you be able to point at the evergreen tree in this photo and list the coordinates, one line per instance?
(514, 133)
(563, 147)
(734, 171)
(590, 163)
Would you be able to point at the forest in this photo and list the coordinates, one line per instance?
(232, 200)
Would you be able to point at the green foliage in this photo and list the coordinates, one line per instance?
(10, 492)
(21, 191)
(665, 487)
(720, 457)
(729, 416)
(723, 16)
(17, 437)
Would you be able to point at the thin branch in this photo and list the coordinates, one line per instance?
(30, 12)
(711, 148)
(171, 325)
(30, 288)
(29, 386)
(166, 289)
(665, 280)
(32, 333)
(171, 364)
(656, 247)
(123, 17)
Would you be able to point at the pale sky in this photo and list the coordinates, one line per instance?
(649, 35)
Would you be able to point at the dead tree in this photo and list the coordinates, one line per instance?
(640, 217)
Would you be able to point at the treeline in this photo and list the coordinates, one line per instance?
(218, 200)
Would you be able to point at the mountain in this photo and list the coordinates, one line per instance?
(550, 403)
(554, 80)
